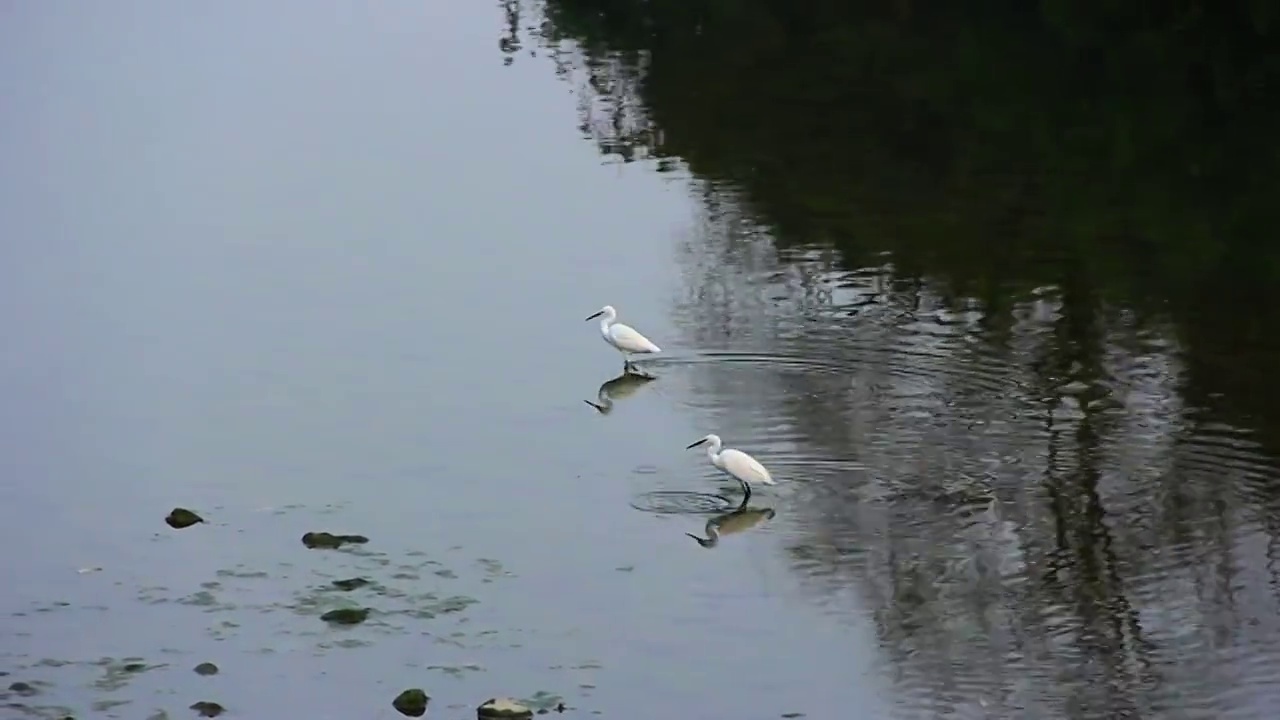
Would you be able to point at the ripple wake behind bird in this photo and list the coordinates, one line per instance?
(682, 502)
(1216, 452)
(786, 362)
(973, 370)
(968, 371)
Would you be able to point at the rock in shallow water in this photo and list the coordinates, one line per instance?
(346, 616)
(207, 709)
(329, 541)
(503, 708)
(180, 518)
(206, 668)
(350, 583)
(411, 702)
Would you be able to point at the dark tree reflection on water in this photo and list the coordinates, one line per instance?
(996, 286)
(1027, 502)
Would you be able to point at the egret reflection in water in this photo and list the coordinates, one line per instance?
(619, 388)
(740, 520)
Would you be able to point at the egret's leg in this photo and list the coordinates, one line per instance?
(746, 494)
(626, 363)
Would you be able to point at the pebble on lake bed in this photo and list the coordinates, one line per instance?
(329, 541)
(206, 668)
(207, 709)
(22, 688)
(346, 616)
(503, 708)
(350, 583)
(412, 702)
(180, 518)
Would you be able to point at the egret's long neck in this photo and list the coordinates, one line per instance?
(713, 450)
(713, 534)
(706, 542)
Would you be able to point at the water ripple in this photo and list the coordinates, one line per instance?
(1037, 518)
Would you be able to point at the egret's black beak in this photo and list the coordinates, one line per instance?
(593, 317)
(694, 445)
(704, 542)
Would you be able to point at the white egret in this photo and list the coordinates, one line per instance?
(737, 464)
(623, 337)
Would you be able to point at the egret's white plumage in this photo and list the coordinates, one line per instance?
(739, 465)
(623, 337)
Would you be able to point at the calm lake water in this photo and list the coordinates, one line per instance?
(324, 267)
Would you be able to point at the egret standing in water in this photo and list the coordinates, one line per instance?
(737, 464)
(623, 337)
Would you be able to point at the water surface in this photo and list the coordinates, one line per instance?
(321, 268)
(996, 287)
(318, 267)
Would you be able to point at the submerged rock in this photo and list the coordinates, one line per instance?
(206, 668)
(346, 616)
(350, 583)
(180, 518)
(412, 702)
(503, 708)
(329, 541)
(544, 702)
(23, 689)
(208, 709)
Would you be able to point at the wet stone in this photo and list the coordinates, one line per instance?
(346, 616)
(180, 518)
(330, 541)
(208, 709)
(350, 583)
(206, 668)
(544, 702)
(503, 708)
(411, 702)
(22, 688)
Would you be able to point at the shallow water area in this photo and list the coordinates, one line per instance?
(323, 268)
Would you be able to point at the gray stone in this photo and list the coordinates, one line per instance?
(411, 702)
(503, 708)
